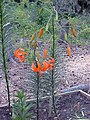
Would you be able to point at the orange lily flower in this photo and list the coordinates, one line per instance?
(16, 53)
(46, 66)
(68, 49)
(34, 68)
(20, 54)
(39, 65)
(52, 60)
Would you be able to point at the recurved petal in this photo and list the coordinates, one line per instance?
(39, 65)
(24, 53)
(19, 51)
(46, 66)
(22, 58)
(51, 60)
(34, 68)
(16, 52)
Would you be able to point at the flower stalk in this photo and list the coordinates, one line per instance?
(4, 57)
(52, 77)
(37, 76)
(37, 96)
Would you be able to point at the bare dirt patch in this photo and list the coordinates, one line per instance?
(76, 71)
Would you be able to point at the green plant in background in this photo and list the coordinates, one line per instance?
(21, 108)
(21, 19)
(27, 18)
(3, 47)
(81, 24)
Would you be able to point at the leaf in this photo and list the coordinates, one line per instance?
(47, 26)
(56, 15)
(40, 11)
(38, 55)
(65, 36)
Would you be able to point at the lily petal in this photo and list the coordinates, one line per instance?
(21, 58)
(52, 60)
(34, 68)
(20, 54)
(46, 66)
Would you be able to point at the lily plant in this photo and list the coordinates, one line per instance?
(36, 66)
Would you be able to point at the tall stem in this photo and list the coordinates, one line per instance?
(37, 96)
(53, 97)
(53, 52)
(53, 45)
(37, 86)
(3, 56)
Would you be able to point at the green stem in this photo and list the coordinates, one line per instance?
(37, 96)
(3, 57)
(53, 53)
(53, 45)
(53, 97)
(37, 86)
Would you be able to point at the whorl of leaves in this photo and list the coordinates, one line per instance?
(6, 31)
(5, 43)
(21, 108)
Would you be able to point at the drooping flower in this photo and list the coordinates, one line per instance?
(39, 65)
(20, 54)
(68, 49)
(16, 52)
(45, 53)
(73, 31)
(40, 32)
(21, 58)
(40, 68)
(34, 68)
(47, 65)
